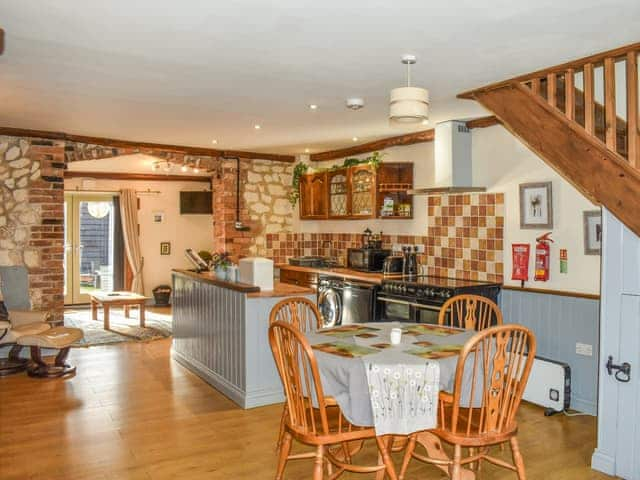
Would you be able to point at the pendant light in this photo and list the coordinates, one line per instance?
(409, 104)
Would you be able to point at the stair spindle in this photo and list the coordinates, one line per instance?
(552, 89)
(589, 105)
(610, 103)
(535, 86)
(569, 94)
(633, 138)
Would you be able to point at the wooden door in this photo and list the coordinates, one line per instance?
(313, 196)
(339, 197)
(363, 191)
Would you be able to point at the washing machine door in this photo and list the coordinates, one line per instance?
(330, 306)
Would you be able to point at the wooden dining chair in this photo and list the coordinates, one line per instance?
(491, 376)
(298, 311)
(304, 315)
(471, 312)
(308, 418)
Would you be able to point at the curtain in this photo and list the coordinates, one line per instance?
(129, 214)
(118, 247)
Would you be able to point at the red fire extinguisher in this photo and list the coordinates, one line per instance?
(543, 252)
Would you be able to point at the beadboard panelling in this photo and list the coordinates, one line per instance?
(209, 333)
(558, 323)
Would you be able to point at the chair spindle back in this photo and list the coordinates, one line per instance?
(491, 375)
(298, 370)
(471, 312)
(298, 311)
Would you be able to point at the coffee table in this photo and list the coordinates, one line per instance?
(117, 299)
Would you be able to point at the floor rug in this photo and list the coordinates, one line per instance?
(122, 329)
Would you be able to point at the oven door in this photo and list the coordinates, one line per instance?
(393, 310)
(425, 313)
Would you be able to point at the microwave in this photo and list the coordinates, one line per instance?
(367, 259)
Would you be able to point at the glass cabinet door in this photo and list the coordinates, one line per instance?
(338, 193)
(362, 191)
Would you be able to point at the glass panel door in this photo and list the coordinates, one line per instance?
(89, 228)
(338, 194)
(362, 189)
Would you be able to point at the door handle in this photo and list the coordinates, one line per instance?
(623, 372)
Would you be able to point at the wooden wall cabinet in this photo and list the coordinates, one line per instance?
(313, 196)
(357, 192)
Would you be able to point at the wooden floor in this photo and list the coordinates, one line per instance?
(132, 413)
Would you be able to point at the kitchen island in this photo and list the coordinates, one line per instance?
(220, 333)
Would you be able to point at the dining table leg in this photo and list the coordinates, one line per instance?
(433, 446)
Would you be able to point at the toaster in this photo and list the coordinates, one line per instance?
(392, 264)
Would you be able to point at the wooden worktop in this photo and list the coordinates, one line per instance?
(282, 290)
(345, 273)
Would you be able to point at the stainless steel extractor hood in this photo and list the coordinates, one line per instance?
(453, 167)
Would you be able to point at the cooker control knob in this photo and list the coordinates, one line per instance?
(447, 294)
(419, 292)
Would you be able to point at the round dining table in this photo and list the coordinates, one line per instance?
(392, 387)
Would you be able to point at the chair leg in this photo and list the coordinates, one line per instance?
(456, 467)
(517, 459)
(411, 447)
(283, 456)
(281, 432)
(318, 473)
(44, 370)
(384, 449)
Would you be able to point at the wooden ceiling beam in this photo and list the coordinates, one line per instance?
(400, 140)
(161, 147)
(483, 122)
(136, 176)
(1, 41)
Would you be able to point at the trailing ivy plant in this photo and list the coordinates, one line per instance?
(301, 168)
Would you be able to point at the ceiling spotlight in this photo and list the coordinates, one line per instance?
(214, 141)
(355, 139)
(313, 106)
(257, 127)
(425, 121)
(408, 104)
(306, 150)
(196, 167)
(184, 167)
(355, 103)
(196, 170)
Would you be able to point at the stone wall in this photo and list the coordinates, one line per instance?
(32, 216)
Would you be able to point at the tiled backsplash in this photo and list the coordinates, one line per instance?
(464, 238)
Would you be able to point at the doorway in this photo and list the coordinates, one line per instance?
(89, 226)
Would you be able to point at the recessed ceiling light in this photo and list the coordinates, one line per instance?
(306, 150)
(355, 139)
(196, 170)
(214, 141)
(257, 127)
(184, 168)
(313, 106)
(425, 121)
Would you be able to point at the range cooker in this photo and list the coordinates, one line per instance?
(419, 298)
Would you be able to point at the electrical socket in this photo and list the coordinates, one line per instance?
(396, 247)
(584, 349)
(420, 248)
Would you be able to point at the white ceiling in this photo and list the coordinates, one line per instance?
(188, 71)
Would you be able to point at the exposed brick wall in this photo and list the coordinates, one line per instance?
(32, 233)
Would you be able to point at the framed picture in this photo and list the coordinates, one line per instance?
(536, 206)
(158, 217)
(165, 248)
(592, 220)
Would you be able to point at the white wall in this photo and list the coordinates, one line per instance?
(500, 163)
(183, 231)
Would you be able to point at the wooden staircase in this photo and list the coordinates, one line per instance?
(567, 115)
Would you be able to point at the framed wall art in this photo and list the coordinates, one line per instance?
(592, 220)
(165, 248)
(536, 205)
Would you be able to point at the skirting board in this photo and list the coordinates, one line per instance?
(245, 400)
(603, 463)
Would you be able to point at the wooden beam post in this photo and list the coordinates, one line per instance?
(610, 102)
(535, 86)
(569, 94)
(633, 138)
(589, 104)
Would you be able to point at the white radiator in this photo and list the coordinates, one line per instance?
(549, 385)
